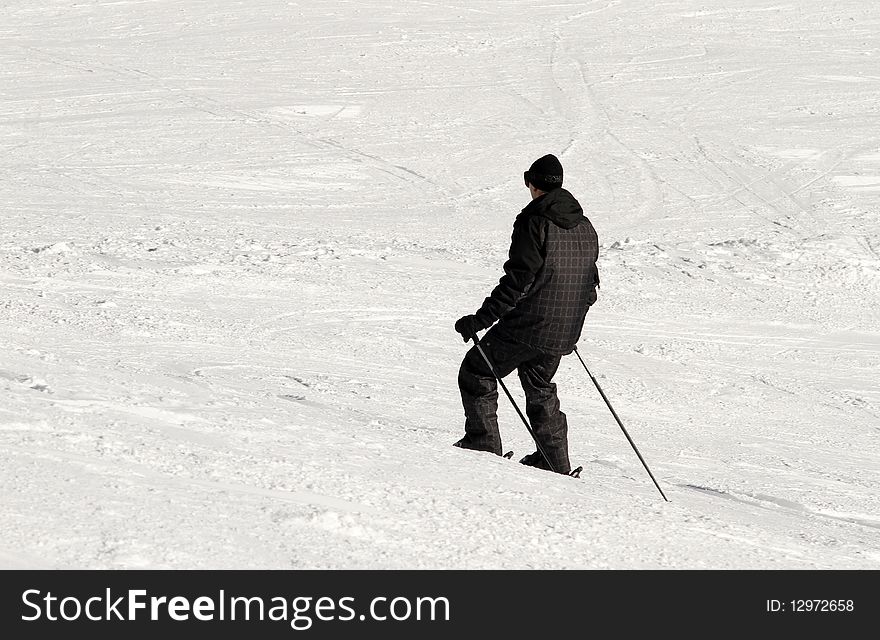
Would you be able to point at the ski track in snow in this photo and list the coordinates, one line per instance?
(235, 240)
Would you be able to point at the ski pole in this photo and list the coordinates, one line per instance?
(510, 397)
(614, 413)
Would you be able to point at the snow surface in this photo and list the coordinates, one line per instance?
(234, 237)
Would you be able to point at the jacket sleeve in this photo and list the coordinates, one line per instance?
(526, 257)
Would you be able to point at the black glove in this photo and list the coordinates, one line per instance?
(467, 326)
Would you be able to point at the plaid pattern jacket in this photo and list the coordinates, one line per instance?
(550, 278)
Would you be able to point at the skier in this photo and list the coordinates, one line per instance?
(540, 304)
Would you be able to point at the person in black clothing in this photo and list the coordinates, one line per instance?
(540, 304)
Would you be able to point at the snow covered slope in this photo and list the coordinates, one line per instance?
(234, 237)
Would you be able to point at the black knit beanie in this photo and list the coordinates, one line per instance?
(546, 173)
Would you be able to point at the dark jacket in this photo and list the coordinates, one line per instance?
(550, 278)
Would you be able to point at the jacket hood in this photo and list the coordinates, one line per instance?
(559, 206)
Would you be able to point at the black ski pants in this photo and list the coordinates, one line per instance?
(479, 396)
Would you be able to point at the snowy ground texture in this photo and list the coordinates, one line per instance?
(235, 235)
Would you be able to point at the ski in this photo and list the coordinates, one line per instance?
(574, 473)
